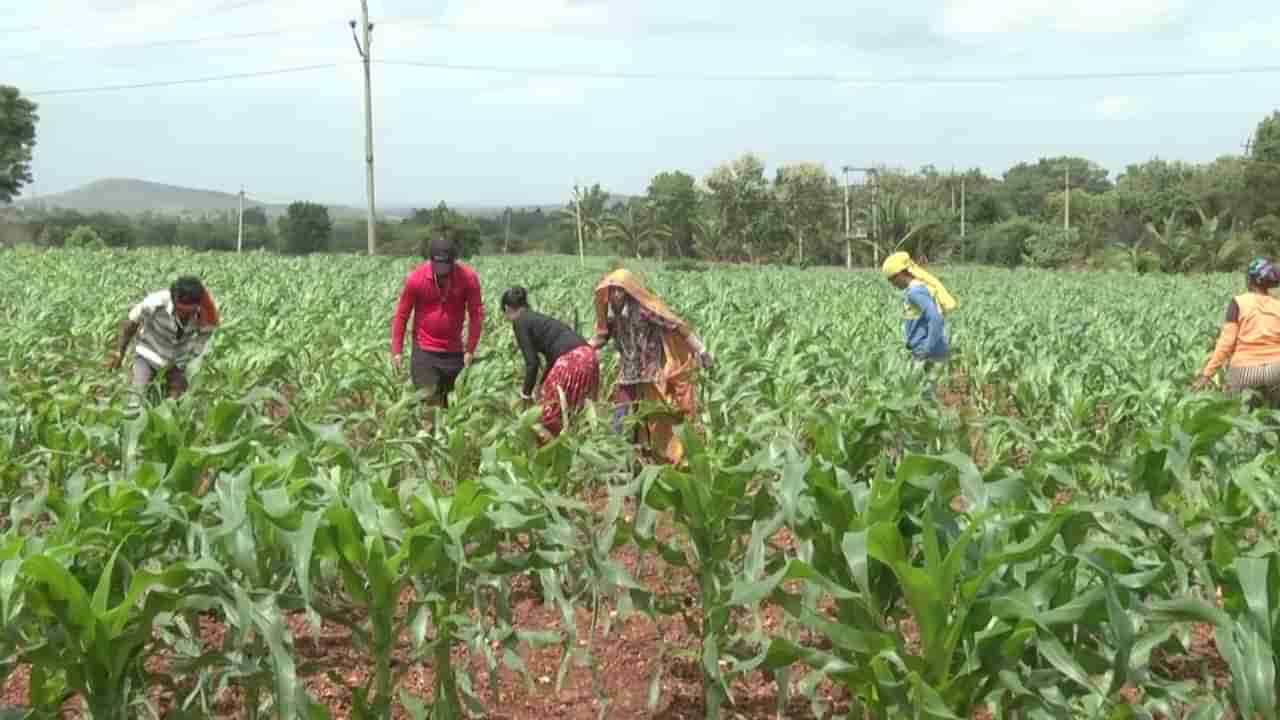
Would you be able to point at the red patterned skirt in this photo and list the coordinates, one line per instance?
(576, 374)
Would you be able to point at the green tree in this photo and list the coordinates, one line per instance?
(809, 198)
(255, 217)
(593, 203)
(1262, 168)
(674, 198)
(17, 138)
(1266, 231)
(306, 228)
(1151, 190)
(85, 238)
(708, 237)
(631, 229)
(444, 221)
(1026, 186)
(1219, 188)
(741, 195)
(1091, 214)
(1005, 243)
(159, 232)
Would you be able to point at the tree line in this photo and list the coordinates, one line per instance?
(1057, 212)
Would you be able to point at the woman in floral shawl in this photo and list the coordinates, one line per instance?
(659, 354)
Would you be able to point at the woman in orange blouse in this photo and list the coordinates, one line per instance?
(1250, 339)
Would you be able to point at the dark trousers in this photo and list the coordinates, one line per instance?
(435, 371)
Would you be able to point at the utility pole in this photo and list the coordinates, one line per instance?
(875, 212)
(577, 216)
(240, 231)
(1066, 208)
(506, 238)
(952, 185)
(962, 246)
(365, 50)
(848, 236)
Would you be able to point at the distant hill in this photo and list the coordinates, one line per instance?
(137, 197)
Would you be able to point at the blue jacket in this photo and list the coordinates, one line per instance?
(924, 328)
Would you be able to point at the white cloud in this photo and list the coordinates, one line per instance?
(1089, 16)
(1120, 107)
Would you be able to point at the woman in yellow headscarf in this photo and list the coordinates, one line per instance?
(659, 353)
(926, 302)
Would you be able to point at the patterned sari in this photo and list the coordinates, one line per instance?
(659, 360)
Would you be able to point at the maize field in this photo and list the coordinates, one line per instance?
(1062, 530)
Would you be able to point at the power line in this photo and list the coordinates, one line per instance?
(179, 42)
(187, 81)
(833, 78)
(708, 77)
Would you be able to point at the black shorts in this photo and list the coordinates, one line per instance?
(435, 370)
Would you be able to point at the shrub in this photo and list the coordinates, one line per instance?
(84, 238)
(1052, 247)
(686, 265)
(1005, 243)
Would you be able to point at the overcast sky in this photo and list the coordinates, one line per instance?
(861, 86)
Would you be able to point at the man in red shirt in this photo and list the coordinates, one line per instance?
(440, 295)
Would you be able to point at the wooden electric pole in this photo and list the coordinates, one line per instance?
(366, 51)
(577, 216)
(506, 238)
(240, 230)
(1066, 208)
(848, 235)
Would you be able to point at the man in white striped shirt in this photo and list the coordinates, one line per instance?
(173, 328)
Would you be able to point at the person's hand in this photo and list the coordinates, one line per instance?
(706, 359)
(114, 362)
(1201, 383)
(468, 359)
(596, 342)
(397, 362)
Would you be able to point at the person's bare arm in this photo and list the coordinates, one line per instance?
(128, 331)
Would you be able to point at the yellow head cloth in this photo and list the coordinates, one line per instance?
(627, 280)
(901, 261)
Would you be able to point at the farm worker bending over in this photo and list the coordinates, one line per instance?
(173, 328)
(659, 355)
(1250, 338)
(572, 368)
(441, 295)
(926, 300)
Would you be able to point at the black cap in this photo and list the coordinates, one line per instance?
(443, 256)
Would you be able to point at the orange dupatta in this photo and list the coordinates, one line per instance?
(209, 317)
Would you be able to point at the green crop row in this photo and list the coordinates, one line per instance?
(1040, 545)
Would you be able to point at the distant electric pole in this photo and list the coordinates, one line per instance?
(506, 238)
(848, 236)
(365, 49)
(240, 230)
(875, 211)
(1066, 208)
(577, 215)
(962, 246)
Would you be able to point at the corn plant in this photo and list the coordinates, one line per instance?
(96, 644)
(716, 509)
